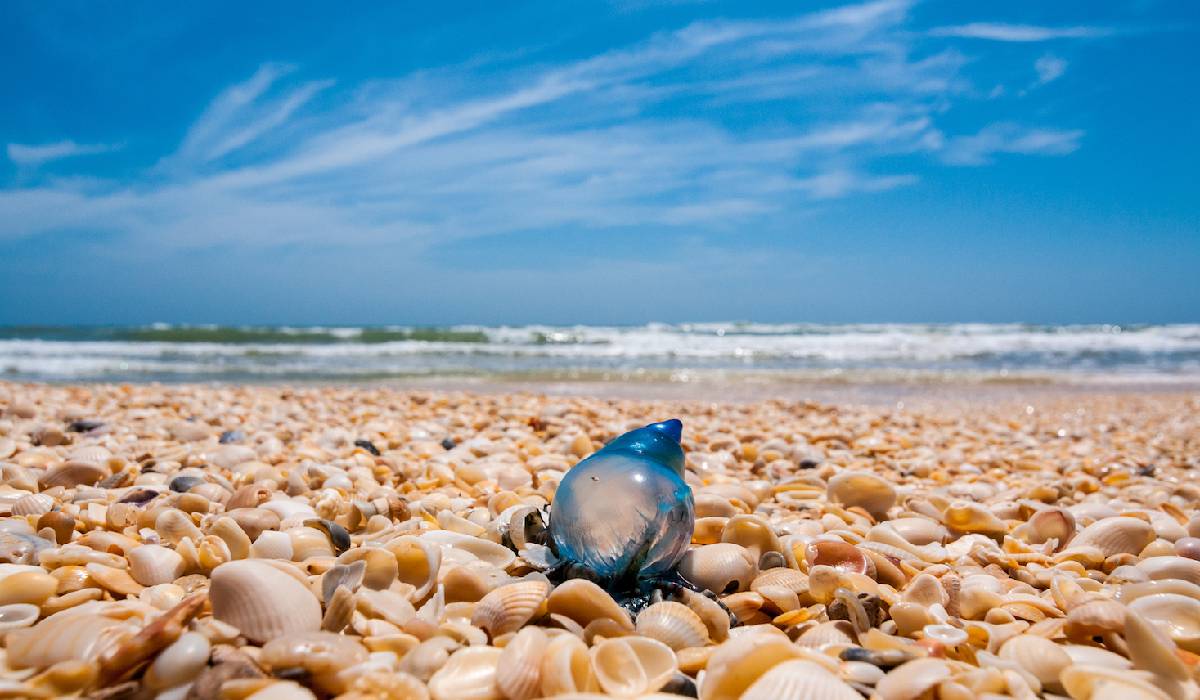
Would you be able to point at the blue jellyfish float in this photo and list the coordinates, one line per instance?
(624, 516)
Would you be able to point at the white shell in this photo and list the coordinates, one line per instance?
(519, 674)
(152, 564)
(630, 666)
(178, 663)
(673, 624)
(1116, 535)
(272, 544)
(33, 504)
(469, 674)
(262, 601)
(799, 680)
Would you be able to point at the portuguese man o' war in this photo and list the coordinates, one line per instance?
(625, 515)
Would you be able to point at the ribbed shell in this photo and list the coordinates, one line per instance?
(1039, 656)
(262, 601)
(507, 608)
(469, 674)
(64, 637)
(673, 624)
(799, 680)
(1118, 535)
(583, 601)
(1171, 568)
(33, 504)
(519, 674)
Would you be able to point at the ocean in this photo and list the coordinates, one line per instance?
(847, 353)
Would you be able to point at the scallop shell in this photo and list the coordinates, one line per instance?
(1038, 656)
(152, 564)
(1096, 617)
(507, 608)
(566, 667)
(673, 624)
(1116, 535)
(262, 601)
(826, 634)
(630, 666)
(799, 680)
(519, 673)
(720, 568)
(583, 601)
(69, 635)
(33, 504)
(739, 662)
(863, 489)
(1177, 615)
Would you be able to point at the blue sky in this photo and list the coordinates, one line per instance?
(613, 162)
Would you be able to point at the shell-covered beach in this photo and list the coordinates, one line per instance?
(268, 542)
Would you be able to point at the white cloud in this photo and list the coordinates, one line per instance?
(979, 148)
(35, 155)
(1049, 68)
(997, 31)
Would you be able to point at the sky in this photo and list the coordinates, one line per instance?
(606, 162)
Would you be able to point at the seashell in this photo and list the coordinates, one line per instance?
(386, 605)
(715, 618)
(753, 533)
(381, 569)
(417, 562)
(65, 636)
(1116, 535)
(1095, 656)
(566, 667)
(33, 504)
(1177, 615)
(1050, 524)
(151, 564)
(17, 615)
(630, 666)
(348, 576)
(1188, 547)
(673, 624)
(799, 679)
(826, 634)
(1170, 567)
(968, 517)
(321, 655)
(235, 538)
(254, 521)
(863, 489)
(720, 568)
(583, 601)
(469, 674)
(308, 543)
(920, 531)
(32, 586)
(62, 524)
(1038, 656)
(262, 601)
(173, 525)
(839, 555)
(428, 657)
(464, 584)
(1088, 682)
(736, 664)
(1152, 650)
(339, 610)
(485, 550)
(179, 663)
(339, 539)
(925, 590)
(507, 608)
(71, 474)
(518, 674)
(912, 680)
(272, 544)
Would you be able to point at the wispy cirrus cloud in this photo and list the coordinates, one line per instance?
(33, 155)
(999, 31)
(590, 144)
(1049, 68)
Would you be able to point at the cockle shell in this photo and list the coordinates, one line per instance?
(1095, 617)
(566, 667)
(863, 489)
(151, 564)
(583, 601)
(262, 601)
(519, 672)
(1038, 656)
(33, 504)
(1116, 535)
(1177, 615)
(72, 474)
(739, 662)
(720, 568)
(507, 608)
(799, 679)
(633, 665)
(673, 624)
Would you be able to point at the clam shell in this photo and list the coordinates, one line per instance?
(507, 608)
(630, 666)
(485, 550)
(583, 601)
(151, 564)
(1151, 649)
(839, 555)
(31, 586)
(1116, 535)
(519, 673)
(173, 525)
(739, 662)
(262, 601)
(912, 680)
(673, 624)
(322, 655)
(1177, 615)
(1088, 682)
(33, 504)
(1171, 567)
(752, 532)
(799, 680)
(272, 544)
(72, 474)
(566, 667)
(863, 489)
(920, 531)
(720, 568)
(1038, 656)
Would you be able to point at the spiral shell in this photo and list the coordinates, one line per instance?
(262, 601)
(507, 608)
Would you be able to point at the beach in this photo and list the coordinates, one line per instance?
(958, 543)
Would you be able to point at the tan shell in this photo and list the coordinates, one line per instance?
(1177, 615)
(566, 667)
(31, 586)
(262, 601)
(322, 655)
(1089, 682)
(1151, 649)
(1038, 656)
(469, 674)
(633, 665)
(739, 662)
(17, 615)
(417, 563)
(839, 555)
(752, 532)
(863, 489)
(1171, 567)
(1050, 524)
(519, 673)
(826, 634)
(673, 624)
(799, 680)
(968, 517)
(720, 568)
(66, 636)
(583, 601)
(272, 544)
(507, 608)
(912, 680)
(920, 531)
(1116, 535)
(173, 525)
(179, 663)
(151, 564)
(33, 504)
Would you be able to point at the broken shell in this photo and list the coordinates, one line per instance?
(968, 517)
(673, 624)
(630, 666)
(272, 544)
(321, 655)
(17, 615)
(720, 568)
(507, 608)
(63, 637)
(1116, 535)
(173, 525)
(262, 601)
(1171, 567)
(739, 662)
(583, 601)
(1096, 617)
(151, 564)
(863, 489)
(417, 562)
(1050, 524)
(920, 531)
